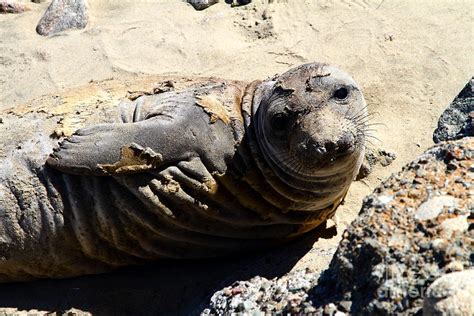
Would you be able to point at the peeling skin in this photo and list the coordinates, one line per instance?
(197, 171)
(214, 108)
(133, 158)
(170, 185)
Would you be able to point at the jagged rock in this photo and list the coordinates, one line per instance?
(372, 158)
(395, 249)
(63, 15)
(202, 4)
(452, 294)
(457, 120)
(9, 6)
(404, 239)
(287, 294)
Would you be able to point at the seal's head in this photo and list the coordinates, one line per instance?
(311, 122)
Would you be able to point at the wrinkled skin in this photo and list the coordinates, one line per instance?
(203, 172)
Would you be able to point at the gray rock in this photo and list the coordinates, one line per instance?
(35, 312)
(202, 4)
(9, 6)
(372, 158)
(238, 2)
(63, 15)
(451, 294)
(457, 120)
(259, 296)
(432, 207)
(387, 259)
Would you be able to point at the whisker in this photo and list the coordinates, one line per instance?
(377, 124)
(363, 116)
(363, 109)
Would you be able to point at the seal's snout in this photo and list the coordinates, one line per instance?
(345, 144)
(330, 149)
(323, 137)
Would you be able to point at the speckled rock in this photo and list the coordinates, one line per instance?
(405, 237)
(373, 157)
(457, 120)
(35, 312)
(63, 15)
(9, 6)
(287, 294)
(202, 4)
(452, 294)
(416, 227)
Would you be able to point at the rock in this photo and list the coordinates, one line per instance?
(451, 294)
(386, 259)
(345, 306)
(63, 15)
(38, 1)
(451, 225)
(287, 294)
(372, 158)
(16, 312)
(432, 207)
(202, 4)
(235, 3)
(10, 6)
(457, 120)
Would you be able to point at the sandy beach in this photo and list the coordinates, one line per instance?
(411, 58)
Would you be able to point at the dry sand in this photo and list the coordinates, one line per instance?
(410, 57)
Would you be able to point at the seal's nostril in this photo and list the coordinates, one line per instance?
(303, 147)
(319, 149)
(345, 143)
(330, 146)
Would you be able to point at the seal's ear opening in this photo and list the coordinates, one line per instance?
(280, 122)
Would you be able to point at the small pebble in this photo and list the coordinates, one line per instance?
(202, 4)
(330, 309)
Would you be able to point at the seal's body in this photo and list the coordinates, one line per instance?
(213, 169)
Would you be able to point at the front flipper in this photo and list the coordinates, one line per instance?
(103, 149)
(159, 134)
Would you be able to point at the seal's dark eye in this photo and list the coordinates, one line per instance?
(341, 93)
(280, 122)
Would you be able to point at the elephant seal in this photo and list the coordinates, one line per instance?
(218, 167)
